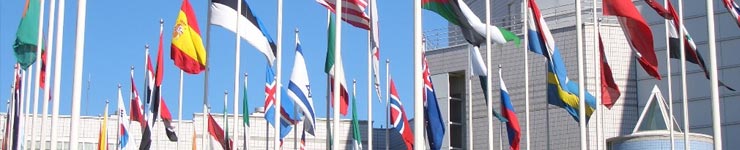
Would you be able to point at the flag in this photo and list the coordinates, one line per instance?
(399, 120)
(226, 126)
(303, 140)
(693, 56)
(103, 135)
(18, 124)
(287, 117)
(353, 12)
(187, 49)
(217, 135)
(734, 10)
(375, 44)
(659, 9)
(637, 32)
(356, 135)
(194, 140)
(560, 90)
(507, 109)
(155, 99)
(245, 101)
(135, 105)
(474, 31)
(26, 37)
(42, 79)
(434, 122)
(609, 89)
(149, 80)
(167, 120)
(336, 70)
(223, 13)
(299, 88)
(123, 135)
(478, 67)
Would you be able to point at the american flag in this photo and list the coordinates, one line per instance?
(353, 12)
(398, 118)
(733, 9)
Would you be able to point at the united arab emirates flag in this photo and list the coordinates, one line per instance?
(474, 31)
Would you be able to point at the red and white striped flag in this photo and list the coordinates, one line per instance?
(353, 12)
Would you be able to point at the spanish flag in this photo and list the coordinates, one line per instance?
(187, 48)
(103, 135)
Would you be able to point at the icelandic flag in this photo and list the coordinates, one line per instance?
(299, 88)
(507, 109)
(435, 124)
(288, 118)
(122, 125)
(398, 118)
(560, 90)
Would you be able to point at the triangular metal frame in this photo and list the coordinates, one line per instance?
(657, 96)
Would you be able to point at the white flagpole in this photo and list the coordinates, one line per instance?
(38, 75)
(179, 109)
(57, 74)
(716, 123)
(205, 78)
(295, 109)
(670, 80)
(118, 121)
(278, 81)
(684, 95)
(236, 72)
(47, 79)
(77, 76)
(27, 81)
(370, 79)
(418, 82)
(525, 29)
(581, 78)
(387, 103)
(597, 74)
(337, 55)
(246, 130)
(328, 101)
(469, 81)
(489, 98)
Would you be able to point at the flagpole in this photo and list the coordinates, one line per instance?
(716, 123)
(597, 75)
(236, 71)
(27, 81)
(328, 93)
(179, 109)
(337, 56)
(47, 77)
(295, 109)
(489, 93)
(118, 122)
(387, 102)
(205, 78)
(370, 82)
(581, 78)
(246, 130)
(670, 81)
(684, 95)
(525, 29)
(77, 77)
(226, 120)
(278, 107)
(57, 74)
(35, 107)
(469, 81)
(418, 83)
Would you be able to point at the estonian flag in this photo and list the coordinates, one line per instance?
(223, 13)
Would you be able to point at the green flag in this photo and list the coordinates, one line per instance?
(356, 136)
(26, 38)
(329, 64)
(245, 101)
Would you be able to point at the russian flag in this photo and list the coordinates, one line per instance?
(507, 109)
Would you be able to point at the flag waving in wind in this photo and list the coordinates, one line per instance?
(187, 46)
(299, 88)
(434, 123)
(478, 68)
(123, 135)
(637, 32)
(375, 43)
(353, 12)
(27, 35)
(287, 116)
(250, 28)
(336, 69)
(507, 109)
(398, 118)
(609, 89)
(474, 31)
(356, 135)
(734, 10)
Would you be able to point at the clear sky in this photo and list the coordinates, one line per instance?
(118, 30)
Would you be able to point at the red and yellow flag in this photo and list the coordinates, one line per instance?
(187, 48)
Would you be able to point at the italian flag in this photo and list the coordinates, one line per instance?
(474, 31)
(335, 69)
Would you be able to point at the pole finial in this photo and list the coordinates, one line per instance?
(161, 21)
(245, 74)
(132, 67)
(387, 60)
(119, 85)
(296, 29)
(226, 92)
(146, 46)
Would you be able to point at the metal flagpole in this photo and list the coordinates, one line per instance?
(226, 115)
(179, 109)
(581, 78)
(246, 130)
(236, 72)
(337, 55)
(387, 103)
(469, 81)
(205, 79)
(57, 74)
(118, 121)
(47, 78)
(525, 29)
(38, 75)
(489, 97)
(370, 80)
(328, 93)
(295, 109)
(77, 77)
(684, 95)
(670, 81)
(27, 81)
(418, 83)
(278, 81)
(500, 136)
(716, 123)
(597, 75)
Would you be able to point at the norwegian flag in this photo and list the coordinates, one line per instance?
(398, 118)
(733, 9)
(353, 12)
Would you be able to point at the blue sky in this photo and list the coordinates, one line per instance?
(117, 31)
